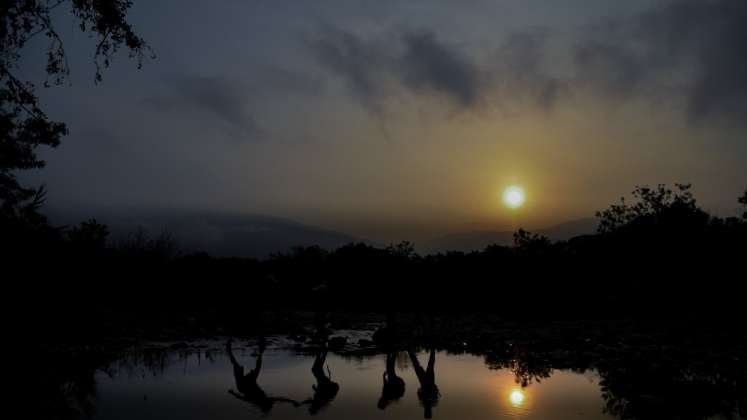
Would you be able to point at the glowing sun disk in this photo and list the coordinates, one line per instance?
(513, 196)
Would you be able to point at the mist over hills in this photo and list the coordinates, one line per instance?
(220, 234)
(225, 234)
(478, 240)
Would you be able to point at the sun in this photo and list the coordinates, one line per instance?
(513, 196)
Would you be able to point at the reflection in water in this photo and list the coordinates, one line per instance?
(428, 393)
(394, 386)
(517, 398)
(190, 383)
(325, 389)
(248, 389)
(199, 387)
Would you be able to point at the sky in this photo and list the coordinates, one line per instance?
(392, 120)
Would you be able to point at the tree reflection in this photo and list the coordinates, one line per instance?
(64, 385)
(428, 393)
(655, 386)
(527, 366)
(641, 381)
(641, 376)
(325, 389)
(394, 386)
(246, 384)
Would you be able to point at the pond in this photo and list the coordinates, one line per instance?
(554, 371)
(284, 384)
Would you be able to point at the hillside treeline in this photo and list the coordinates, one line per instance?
(659, 256)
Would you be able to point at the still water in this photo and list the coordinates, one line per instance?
(208, 384)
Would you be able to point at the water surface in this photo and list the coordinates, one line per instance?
(203, 384)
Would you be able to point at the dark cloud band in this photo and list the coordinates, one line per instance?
(691, 50)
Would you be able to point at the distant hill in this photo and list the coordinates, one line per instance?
(226, 234)
(478, 240)
(219, 234)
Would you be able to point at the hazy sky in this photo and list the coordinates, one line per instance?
(405, 119)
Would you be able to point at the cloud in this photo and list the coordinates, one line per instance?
(271, 81)
(428, 64)
(681, 51)
(362, 64)
(226, 101)
(416, 61)
(241, 106)
(695, 47)
(519, 74)
(608, 69)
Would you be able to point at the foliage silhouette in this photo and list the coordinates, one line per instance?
(654, 206)
(23, 124)
(90, 236)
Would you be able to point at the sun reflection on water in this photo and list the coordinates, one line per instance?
(517, 398)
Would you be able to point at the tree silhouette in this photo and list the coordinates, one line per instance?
(23, 124)
(653, 206)
(525, 241)
(743, 202)
(89, 235)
